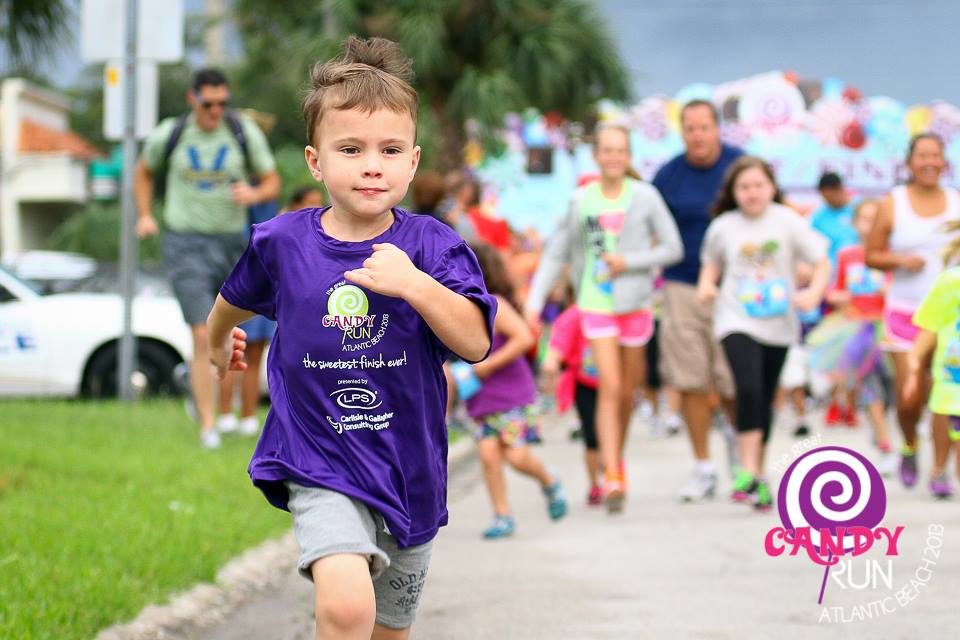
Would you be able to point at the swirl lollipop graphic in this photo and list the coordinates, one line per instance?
(831, 487)
(348, 300)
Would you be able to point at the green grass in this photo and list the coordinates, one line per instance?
(105, 508)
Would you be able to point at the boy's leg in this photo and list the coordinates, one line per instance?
(399, 588)
(345, 603)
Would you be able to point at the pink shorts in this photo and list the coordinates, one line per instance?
(899, 330)
(634, 329)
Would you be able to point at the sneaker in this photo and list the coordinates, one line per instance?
(249, 426)
(645, 410)
(672, 424)
(832, 418)
(763, 499)
(940, 487)
(744, 487)
(888, 464)
(908, 468)
(556, 500)
(614, 492)
(801, 431)
(210, 439)
(850, 418)
(595, 497)
(226, 423)
(700, 486)
(502, 527)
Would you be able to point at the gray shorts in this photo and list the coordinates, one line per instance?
(197, 264)
(326, 523)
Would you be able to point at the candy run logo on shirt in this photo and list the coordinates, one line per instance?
(347, 311)
(831, 503)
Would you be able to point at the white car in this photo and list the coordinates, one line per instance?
(67, 344)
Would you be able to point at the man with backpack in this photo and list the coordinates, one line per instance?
(209, 166)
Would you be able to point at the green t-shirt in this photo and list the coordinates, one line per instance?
(940, 313)
(200, 171)
(602, 220)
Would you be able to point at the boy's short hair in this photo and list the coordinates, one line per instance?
(830, 180)
(368, 75)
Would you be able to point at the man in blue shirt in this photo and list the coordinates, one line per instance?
(835, 218)
(692, 361)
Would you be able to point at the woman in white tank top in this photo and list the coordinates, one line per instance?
(908, 239)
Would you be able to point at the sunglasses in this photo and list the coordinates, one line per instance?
(210, 104)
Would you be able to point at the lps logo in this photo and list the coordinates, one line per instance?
(356, 398)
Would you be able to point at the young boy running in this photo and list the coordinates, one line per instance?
(369, 302)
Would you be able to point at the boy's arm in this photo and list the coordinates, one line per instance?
(221, 329)
(510, 324)
(456, 320)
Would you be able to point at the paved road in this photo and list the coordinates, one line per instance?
(659, 570)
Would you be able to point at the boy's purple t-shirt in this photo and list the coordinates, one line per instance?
(356, 381)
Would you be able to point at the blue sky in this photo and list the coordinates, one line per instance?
(902, 48)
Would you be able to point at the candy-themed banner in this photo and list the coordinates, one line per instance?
(803, 127)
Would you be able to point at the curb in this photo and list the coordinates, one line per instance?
(240, 580)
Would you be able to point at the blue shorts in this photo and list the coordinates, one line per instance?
(259, 329)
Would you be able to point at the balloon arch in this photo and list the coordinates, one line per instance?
(802, 127)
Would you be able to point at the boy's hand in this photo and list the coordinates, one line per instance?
(388, 271)
(227, 356)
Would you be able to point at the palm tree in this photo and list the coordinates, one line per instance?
(32, 29)
(474, 60)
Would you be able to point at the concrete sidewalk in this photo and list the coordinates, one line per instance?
(661, 569)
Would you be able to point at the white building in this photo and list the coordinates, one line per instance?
(43, 166)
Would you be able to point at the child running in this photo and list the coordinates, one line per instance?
(755, 243)
(616, 232)
(938, 320)
(846, 345)
(503, 409)
(369, 301)
(576, 386)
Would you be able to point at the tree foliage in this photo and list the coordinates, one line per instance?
(474, 61)
(32, 29)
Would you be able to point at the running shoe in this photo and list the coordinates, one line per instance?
(595, 497)
(614, 491)
(744, 487)
(700, 486)
(888, 464)
(556, 500)
(832, 418)
(940, 487)
(908, 468)
(249, 426)
(226, 423)
(850, 418)
(762, 499)
(209, 439)
(672, 424)
(502, 527)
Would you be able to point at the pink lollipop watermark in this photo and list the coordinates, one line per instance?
(831, 503)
